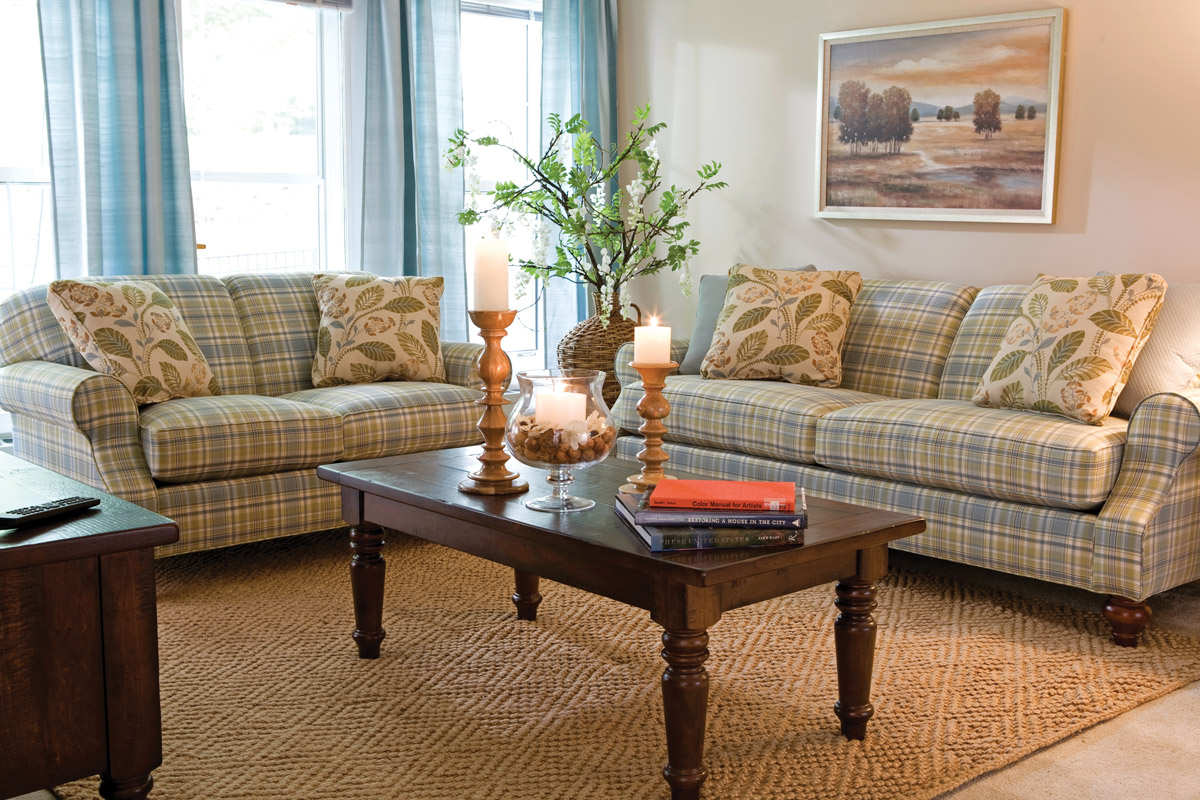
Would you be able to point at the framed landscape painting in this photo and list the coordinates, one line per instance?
(954, 120)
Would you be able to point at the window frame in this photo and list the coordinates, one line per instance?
(329, 176)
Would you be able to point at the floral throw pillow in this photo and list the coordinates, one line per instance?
(782, 324)
(1072, 347)
(377, 329)
(132, 331)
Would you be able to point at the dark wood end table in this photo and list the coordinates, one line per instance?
(685, 592)
(79, 643)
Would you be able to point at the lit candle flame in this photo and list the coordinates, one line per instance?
(654, 321)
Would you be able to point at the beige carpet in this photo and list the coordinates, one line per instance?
(263, 696)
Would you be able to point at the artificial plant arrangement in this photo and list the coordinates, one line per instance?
(606, 241)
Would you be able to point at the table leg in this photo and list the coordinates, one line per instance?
(366, 583)
(854, 638)
(685, 708)
(125, 788)
(526, 597)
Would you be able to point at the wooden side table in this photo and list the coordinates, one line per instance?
(79, 643)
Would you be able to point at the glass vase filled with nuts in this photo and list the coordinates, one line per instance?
(560, 424)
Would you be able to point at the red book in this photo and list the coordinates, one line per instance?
(730, 495)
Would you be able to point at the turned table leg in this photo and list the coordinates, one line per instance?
(685, 707)
(125, 788)
(854, 639)
(527, 597)
(366, 583)
(1127, 618)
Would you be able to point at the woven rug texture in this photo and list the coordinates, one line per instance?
(264, 697)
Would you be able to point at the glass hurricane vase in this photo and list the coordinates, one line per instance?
(561, 423)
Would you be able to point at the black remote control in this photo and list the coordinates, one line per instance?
(29, 515)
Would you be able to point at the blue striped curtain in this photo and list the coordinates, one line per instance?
(579, 76)
(407, 80)
(118, 140)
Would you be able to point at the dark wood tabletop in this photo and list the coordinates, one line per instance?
(430, 480)
(114, 526)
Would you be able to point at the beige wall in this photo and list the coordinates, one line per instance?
(736, 80)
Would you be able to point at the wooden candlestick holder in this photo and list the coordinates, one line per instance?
(493, 477)
(653, 408)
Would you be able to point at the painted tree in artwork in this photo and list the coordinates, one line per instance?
(852, 127)
(915, 116)
(1030, 112)
(897, 126)
(1021, 111)
(987, 113)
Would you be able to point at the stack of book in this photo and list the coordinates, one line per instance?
(692, 515)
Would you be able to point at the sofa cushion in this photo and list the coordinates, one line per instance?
(1070, 350)
(132, 331)
(900, 334)
(978, 338)
(208, 438)
(763, 418)
(1001, 453)
(782, 324)
(383, 419)
(280, 316)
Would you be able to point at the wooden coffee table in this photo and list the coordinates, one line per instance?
(685, 592)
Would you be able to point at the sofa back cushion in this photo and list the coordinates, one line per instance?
(31, 333)
(900, 335)
(979, 338)
(280, 316)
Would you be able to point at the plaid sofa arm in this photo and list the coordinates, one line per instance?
(459, 358)
(627, 375)
(85, 402)
(1146, 535)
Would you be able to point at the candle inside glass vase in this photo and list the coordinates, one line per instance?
(559, 409)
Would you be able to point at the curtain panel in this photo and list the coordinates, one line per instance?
(579, 76)
(406, 102)
(118, 139)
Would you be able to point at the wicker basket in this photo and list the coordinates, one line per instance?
(592, 344)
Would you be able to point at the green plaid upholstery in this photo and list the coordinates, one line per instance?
(227, 512)
(1147, 532)
(1047, 543)
(71, 419)
(627, 375)
(765, 418)
(459, 358)
(978, 339)
(899, 335)
(1021, 456)
(280, 317)
(209, 438)
(394, 417)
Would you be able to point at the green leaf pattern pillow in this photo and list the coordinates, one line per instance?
(132, 331)
(782, 324)
(377, 329)
(1072, 348)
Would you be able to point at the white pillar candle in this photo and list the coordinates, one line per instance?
(558, 409)
(491, 275)
(652, 343)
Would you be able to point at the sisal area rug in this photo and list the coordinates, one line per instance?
(264, 697)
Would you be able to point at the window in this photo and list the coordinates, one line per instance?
(501, 75)
(263, 91)
(26, 210)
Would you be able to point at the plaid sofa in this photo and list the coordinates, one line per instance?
(234, 468)
(1113, 508)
